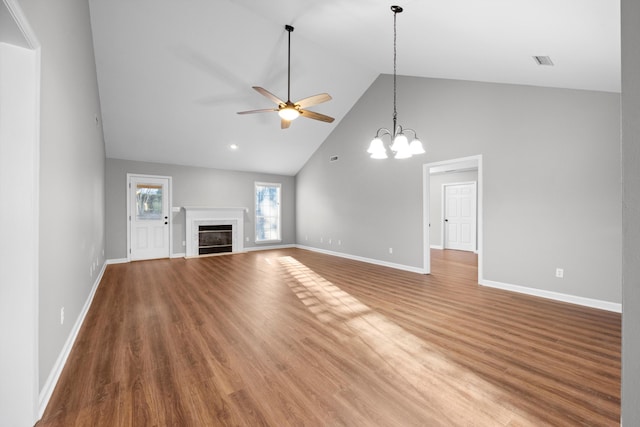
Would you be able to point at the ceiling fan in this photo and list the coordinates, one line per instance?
(288, 110)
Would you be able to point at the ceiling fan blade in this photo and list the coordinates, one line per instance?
(263, 110)
(316, 116)
(313, 100)
(269, 95)
(284, 124)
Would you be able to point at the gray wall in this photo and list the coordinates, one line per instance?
(551, 161)
(436, 182)
(72, 158)
(631, 212)
(193, 187)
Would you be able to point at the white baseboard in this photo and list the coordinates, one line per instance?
(126, 260)
(54, 376)
(267, 248)
(587, 302)
(363, 259)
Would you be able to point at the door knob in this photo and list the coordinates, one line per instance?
(446, 220)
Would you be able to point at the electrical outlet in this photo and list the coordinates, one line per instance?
(246, 239)
(329, 241)
(62, 316)
(184, 243)
(339, 242)
(321, 239)
(390, 250)
(560, 273)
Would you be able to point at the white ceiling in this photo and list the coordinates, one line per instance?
(172, 74)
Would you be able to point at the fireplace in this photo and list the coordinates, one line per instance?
(211, 230)
(215, 239)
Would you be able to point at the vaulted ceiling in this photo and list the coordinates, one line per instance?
(172, 74)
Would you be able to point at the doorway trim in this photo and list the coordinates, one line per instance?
(452, 164)
(24, 403)
(128, 213)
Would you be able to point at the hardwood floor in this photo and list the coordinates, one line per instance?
(293, 337)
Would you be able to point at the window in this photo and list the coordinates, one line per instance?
(267, 212)
(148, 201)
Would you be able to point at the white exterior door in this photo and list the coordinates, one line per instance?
(149, 222)
(460, 216)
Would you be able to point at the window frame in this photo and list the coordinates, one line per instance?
(277, 185)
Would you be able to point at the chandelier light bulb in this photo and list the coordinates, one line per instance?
(376, 146)
(403, 153)
(400, 143)
(379, 155)
(416, 147)
(376, 149)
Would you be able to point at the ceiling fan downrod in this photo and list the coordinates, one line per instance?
(289, 29)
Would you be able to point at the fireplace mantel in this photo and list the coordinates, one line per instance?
(214, 209)
(196, 216)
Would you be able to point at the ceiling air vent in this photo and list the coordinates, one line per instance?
(543, 60)
(333, 158)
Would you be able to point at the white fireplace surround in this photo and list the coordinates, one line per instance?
(195, 216)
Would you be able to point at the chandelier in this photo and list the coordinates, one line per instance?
(401, 147)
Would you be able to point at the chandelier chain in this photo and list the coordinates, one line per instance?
(395, 112)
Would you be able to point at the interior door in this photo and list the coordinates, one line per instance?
(460, 216)
(149, 217)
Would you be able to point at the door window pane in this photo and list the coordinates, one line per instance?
(148, 201)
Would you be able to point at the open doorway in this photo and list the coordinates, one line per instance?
(465, 169)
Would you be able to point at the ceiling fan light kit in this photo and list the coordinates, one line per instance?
(289, 111)
(401, 147)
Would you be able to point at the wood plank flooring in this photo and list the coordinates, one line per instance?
(292, 337)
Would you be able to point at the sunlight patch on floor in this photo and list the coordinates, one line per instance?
(447, 388)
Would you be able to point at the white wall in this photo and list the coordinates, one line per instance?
(18, 228)
(551, 177)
